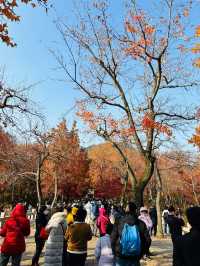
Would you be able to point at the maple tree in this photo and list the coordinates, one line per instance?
(8, 14)
(66, 169)
(130, 78)
(105, 171)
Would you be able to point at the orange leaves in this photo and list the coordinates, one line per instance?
(141, 37)
(197, 32)
(196, 49)
(195, 140)
(8, 13)
(130, 28)
(148, 29)
(148, 123)
(196, 62)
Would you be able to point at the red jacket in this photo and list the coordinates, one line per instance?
(102, 221)
(14, 230)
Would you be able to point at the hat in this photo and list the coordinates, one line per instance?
(143, 209)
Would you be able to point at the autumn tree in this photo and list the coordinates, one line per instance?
(105, 171)
(134, 78)
(66, 170)
(8, 13)
(22, 164)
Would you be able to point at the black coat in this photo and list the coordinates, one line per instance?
(175, 226)
(41, 221)
(153, 215)
(117, 231)
(187, 249)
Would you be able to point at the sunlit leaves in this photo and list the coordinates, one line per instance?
(197, 32)
(196, 48)
(195, 140)
(148, 123)
(8, 13)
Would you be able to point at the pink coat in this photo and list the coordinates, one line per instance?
(147, 220)
(102, 221)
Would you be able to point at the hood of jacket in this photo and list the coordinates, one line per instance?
(18, 211)
(102, 212)
(56, 219)
(74, 210)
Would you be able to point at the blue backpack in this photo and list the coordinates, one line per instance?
(130, 242)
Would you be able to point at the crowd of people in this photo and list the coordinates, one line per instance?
(124, 234)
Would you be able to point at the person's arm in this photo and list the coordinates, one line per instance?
(97, 251)
(27, 228)
(3, 230)
(145, 238)
(67, 233)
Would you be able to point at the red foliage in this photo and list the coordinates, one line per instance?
(67, 162)
(148, 123)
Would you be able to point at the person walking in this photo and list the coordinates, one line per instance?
(102, 221)
(14, 231)
(175, 224)
(103, 251)
(77, 236)
(154, 218)
(145, 217)
(186, 247)
(55, 245)
(130, 238)
(41, 222)
(165, 214)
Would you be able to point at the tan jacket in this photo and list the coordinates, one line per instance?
(77, 236)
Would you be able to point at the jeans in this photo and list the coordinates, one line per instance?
(76, 259)
(4, 259)
(39, 247)
(126, 262)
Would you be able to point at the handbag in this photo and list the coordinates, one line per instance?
(43, 233)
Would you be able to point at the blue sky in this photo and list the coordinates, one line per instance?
(31, 62)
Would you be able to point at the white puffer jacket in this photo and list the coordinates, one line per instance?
(54, 245)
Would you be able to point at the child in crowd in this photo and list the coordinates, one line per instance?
(103, 250)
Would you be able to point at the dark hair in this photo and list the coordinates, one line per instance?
(109, 228)
(171, 209)
(42, 208)
(193, 216)
(81, 215)
(132, 208)
(69, 209)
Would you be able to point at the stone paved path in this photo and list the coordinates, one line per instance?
(161, 249)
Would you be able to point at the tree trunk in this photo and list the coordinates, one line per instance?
(158, 200)
(139, 186)
(123, 198)
(38, 185)
(137, 195)
(55, 191)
